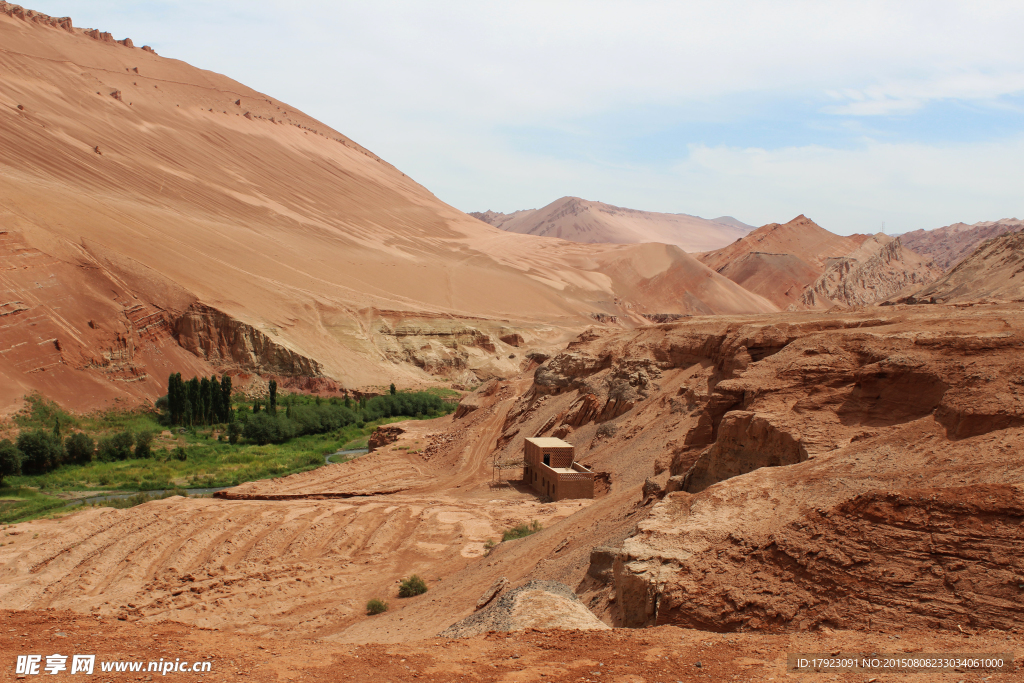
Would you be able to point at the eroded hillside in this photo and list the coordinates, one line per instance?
(161, 196)
(788, 472)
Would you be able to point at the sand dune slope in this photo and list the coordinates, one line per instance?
(580, 220)
(263, 239)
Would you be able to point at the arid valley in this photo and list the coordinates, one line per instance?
(797, 441)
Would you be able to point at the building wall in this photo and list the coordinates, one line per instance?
(558, 486)
(574, 486)
(560, 457)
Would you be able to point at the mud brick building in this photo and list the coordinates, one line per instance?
(550, 468)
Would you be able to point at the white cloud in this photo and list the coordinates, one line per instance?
(435, 88)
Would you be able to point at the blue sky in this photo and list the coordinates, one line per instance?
(852, 113)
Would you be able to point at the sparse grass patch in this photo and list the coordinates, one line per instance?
(412, 586)
(18, 504)
(521, 531)
(376, 606)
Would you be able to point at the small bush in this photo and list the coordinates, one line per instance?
(521, 531)
(180, 454)
(412, 586)
(376, 606)
(144, 445)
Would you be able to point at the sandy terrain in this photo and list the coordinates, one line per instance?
(144, 197)
(580, 220)
(665, 653)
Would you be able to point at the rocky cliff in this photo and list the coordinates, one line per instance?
(994, 271)
(864, 279)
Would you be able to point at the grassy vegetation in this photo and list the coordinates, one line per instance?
(521, 531)
(209, 462)
(18, 504)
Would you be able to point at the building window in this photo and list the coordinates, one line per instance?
(547, 459)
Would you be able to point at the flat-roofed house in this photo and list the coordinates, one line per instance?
(551, 469)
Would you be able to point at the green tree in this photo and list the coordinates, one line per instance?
(255, 405)
(216, 398)
(10, 460)
(205, 399)
(79, 447)
(234, 431)
(117, 446)
(225, 390)
(194, 414)
(393, 390)
(272, 406)
(41, 451)
(144, 445)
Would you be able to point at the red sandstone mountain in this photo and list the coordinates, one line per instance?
(993, 272)
(779, 261)
(580, 220)
(949, 245)
(877, 270)
(157, 217)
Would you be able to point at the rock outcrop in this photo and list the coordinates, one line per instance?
(994, 271)
(538, 604)
(949, 245)
(853, 281)
(226, 342)
(849, 478)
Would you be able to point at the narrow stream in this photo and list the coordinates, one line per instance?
(129, 494)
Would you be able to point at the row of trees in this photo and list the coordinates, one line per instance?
(40, 451)
(199, 401)
(320, 418)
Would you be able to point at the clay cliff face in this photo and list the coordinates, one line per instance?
(847, 470)
(949, 245)
(580, 220)
(992, 272)
(263, 239)
(861, 280)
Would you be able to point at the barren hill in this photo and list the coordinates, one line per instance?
(158, 216)
(866, 277)
(580, 220)
(994, 271)
(948, 245)
(778, 261)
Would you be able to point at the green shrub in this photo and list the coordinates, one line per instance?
(521, 531)
(10, 460)
(233, 432)
(412, 586)
(144, 445)
(117, 446)
(41, 451)
(180, 454)
(79, 447)
(376, 606)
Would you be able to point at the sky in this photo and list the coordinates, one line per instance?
(855, 114)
